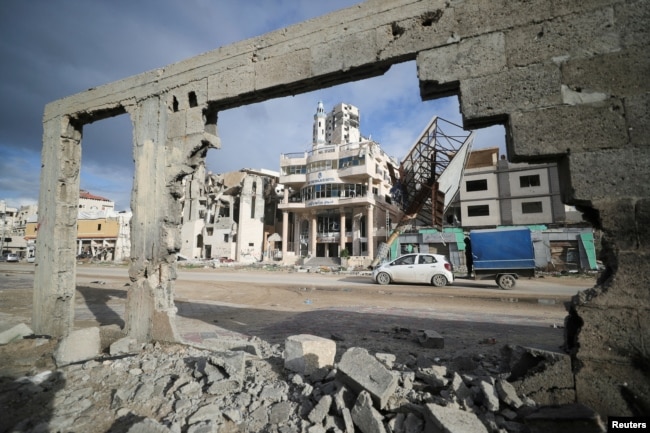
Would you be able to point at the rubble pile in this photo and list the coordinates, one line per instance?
(251, 386)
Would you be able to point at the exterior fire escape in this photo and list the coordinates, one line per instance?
(428, 178)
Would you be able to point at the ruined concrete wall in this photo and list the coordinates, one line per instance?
(568, 79)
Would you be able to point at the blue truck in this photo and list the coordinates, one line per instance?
(501, 254)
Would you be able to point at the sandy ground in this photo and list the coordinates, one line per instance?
(475, 317)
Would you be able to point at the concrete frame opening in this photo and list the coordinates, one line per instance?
(557, 99)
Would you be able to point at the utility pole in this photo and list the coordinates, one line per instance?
(4, 227)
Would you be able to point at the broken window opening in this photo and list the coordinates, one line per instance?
(191, 97)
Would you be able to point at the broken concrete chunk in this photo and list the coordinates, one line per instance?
(366, 417)
(124, 345)
(449, 420)
(79, 345)
(10, 333)
(233, 363)
(460, 389)
(363, 372)
(388, 359)
(306, 353)
(148, 425)
(431, 339)
(434, 376)
(319, 412)
(489, 396)
(508, 394)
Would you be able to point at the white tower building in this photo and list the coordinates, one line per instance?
(320, 118)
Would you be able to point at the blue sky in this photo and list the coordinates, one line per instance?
(52, 49)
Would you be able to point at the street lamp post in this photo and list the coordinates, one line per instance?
(4, 227)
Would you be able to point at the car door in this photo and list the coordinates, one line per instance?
(426, 267)
(403, 269)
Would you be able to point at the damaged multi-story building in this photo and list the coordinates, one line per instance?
(337, 195)
(230, 216)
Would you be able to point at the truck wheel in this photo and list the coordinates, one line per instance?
(383, 278)
(439, 280)
(506, 281)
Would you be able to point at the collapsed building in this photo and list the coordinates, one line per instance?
(567, 79)
(231, 216)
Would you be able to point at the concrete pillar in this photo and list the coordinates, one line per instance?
(312, 236)
(356, 232)
(285, 233)
(155, 228)
(58, 201)
(342, 229)
(370, 228)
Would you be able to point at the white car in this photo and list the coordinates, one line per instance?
(415, 268)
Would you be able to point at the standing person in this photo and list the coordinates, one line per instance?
(469, 258)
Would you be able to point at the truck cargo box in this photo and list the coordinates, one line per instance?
(502, 249)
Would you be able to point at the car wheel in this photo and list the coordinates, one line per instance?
(506, 281)
(383, 278)
(439, 280)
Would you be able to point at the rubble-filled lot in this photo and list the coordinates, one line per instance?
(390, 372)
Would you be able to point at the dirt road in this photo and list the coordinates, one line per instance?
(476, 318)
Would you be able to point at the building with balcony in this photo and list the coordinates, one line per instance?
(337, 195)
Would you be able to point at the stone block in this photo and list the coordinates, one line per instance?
(574, 129)
(568, 418)
(431, 340)
(515, 89)
(603, 174)
(602, 73)
(431, 28)
(448, 419)
(363, 372)
(230, 83)
(469, 58)
(79, 345)
(283, 69)
(305, 353)
(637, 113)
(341, 55)
(366, 417)
(486, 16)
(194, 122)
(618, 214)
(9, 333)
(632, 21)
(591, 33)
